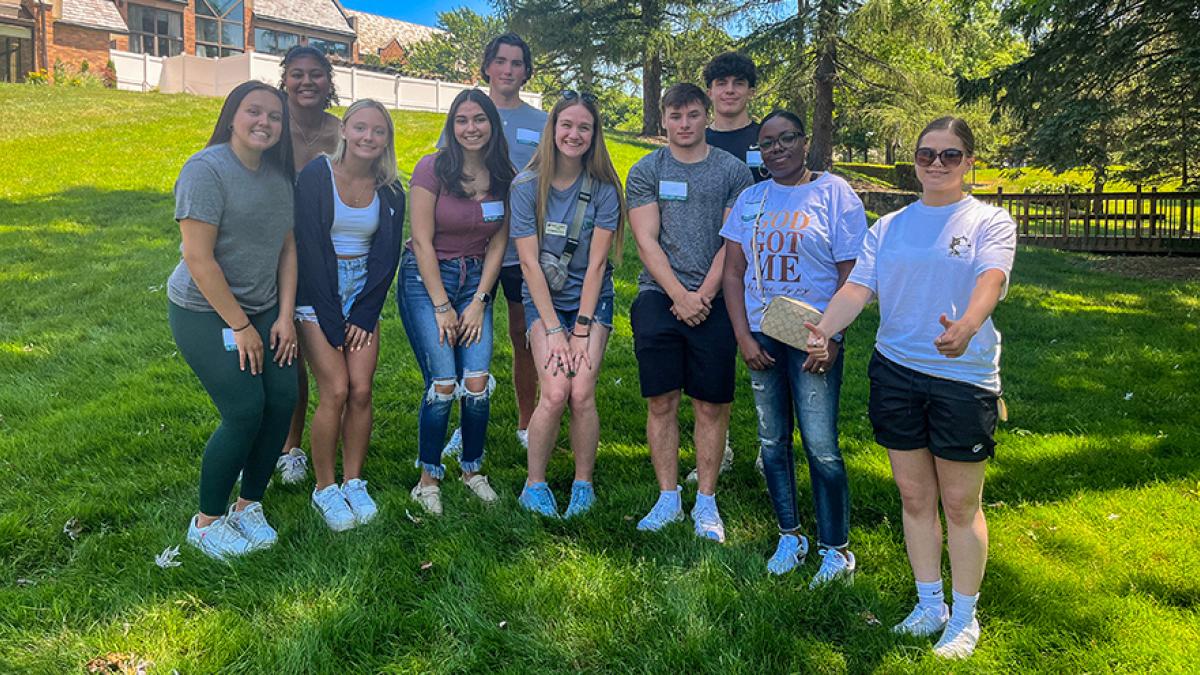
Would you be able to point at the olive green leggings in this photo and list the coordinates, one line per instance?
(256, 410)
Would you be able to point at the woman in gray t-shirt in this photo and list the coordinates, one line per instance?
(232, 297)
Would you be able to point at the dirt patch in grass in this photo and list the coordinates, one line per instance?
(1151, 267)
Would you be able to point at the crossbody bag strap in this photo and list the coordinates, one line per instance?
(581, 203)
(754, 243)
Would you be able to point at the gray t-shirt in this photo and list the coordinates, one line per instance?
(522, 130)
(252, 211)
(603, 211)
(692, 199)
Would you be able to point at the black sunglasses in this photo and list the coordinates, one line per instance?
(951, 157)
(785, 140)
(570, 95)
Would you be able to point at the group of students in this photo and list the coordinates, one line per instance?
(292, 234)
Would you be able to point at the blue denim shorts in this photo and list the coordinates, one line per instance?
(352, 277)
(603, 314)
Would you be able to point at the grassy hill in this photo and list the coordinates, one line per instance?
(1094, 499)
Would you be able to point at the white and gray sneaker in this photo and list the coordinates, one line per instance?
(253, 525)
(333, 507)
(453, 447)
(523, 438)
(835, 565)
(479, 485)
(429, 497)
(361, 504)
(958, 640)
(292, 466)
(726, 464)
(923, 622)
(218, 539)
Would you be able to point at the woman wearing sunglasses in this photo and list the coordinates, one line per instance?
(938, 267)
(795, 236)
(567, 214)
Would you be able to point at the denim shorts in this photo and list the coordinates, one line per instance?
(603, 314)
(352, 277)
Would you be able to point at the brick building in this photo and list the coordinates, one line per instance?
(385, 37)
(37, 34)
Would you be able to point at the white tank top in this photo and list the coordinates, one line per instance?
(353, 229)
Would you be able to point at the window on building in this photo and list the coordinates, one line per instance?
(153, 31)
(219, 28)
(274, 41)
(332, 48)
(15, 58)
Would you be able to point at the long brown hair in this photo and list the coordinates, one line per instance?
(596, 162)
(279, 154)
(448, 165)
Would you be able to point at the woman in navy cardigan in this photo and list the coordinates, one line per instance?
(349, 227)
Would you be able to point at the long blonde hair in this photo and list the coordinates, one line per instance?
(595, 161)
(384, 166)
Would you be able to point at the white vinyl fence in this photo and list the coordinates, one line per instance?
(217, 77)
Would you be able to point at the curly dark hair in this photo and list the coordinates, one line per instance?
(733, 64)
(301, 51)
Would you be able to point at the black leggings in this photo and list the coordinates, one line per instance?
(256, 410)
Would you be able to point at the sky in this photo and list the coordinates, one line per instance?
(416, 11)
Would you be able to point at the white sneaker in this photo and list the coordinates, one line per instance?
(922, 622)
(361, 504)
(454, 446)
(758, 464)
(958, 641)
(708, 523)
(292, 467)
(253, 525)
(429, 497)
(218, 540)
(726, 464)
(479, 485)
(523, 438)
(333, 507)
(835, 565)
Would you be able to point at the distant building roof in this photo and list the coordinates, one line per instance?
(99, 14)
(376, 32)
(320, 14)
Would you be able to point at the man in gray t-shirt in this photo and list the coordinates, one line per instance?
(678, 197)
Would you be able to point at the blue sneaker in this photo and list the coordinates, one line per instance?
(668, 509)
(708, 523)
(789, 554)
(582, 498)
(539, 499)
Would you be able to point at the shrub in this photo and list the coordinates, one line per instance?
(906, 177)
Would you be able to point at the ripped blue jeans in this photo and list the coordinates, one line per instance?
(779, 392)
(443, 365)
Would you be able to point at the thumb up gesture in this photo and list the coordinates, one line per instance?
(955, 337)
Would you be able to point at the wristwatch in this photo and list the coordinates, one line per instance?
(583, 320)
(484, 297)
(837, 338)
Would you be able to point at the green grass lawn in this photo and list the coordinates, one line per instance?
(1094, 499)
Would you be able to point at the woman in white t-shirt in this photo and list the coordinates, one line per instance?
(938, 267)
(794, 236)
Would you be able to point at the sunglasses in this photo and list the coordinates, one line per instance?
(786, 140)
(570, 95)
(951, 157)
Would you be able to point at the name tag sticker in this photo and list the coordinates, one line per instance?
(754, 158)
(493, 211)
(227, 337)
(528, 136)
(556, 229)
(672, 190)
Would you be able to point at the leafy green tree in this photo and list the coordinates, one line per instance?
(455, 55)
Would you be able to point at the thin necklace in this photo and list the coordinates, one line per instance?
(300, 127)
(362, 191)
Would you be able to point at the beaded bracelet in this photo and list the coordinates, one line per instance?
(557, 329)
(442, 308)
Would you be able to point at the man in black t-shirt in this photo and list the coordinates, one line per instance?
(731, 78)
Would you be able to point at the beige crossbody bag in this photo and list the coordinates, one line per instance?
(783, 319)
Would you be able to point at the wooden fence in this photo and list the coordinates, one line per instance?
(1137, 222)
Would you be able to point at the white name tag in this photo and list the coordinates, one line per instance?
(672, 190)
(556, 229)
(228, 339)
(493, 211)
(528, 137)
(754, 158)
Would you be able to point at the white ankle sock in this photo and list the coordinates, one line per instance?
(930, 594)
(963, 609)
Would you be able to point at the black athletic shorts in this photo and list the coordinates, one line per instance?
(702, 361)
(911, 410)
(510, 280)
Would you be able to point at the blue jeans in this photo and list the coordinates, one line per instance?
(443, 364)
(813, 397)
(352, 278)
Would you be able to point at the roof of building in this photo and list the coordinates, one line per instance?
(100, 14)
(320, 14)
(376, 32)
